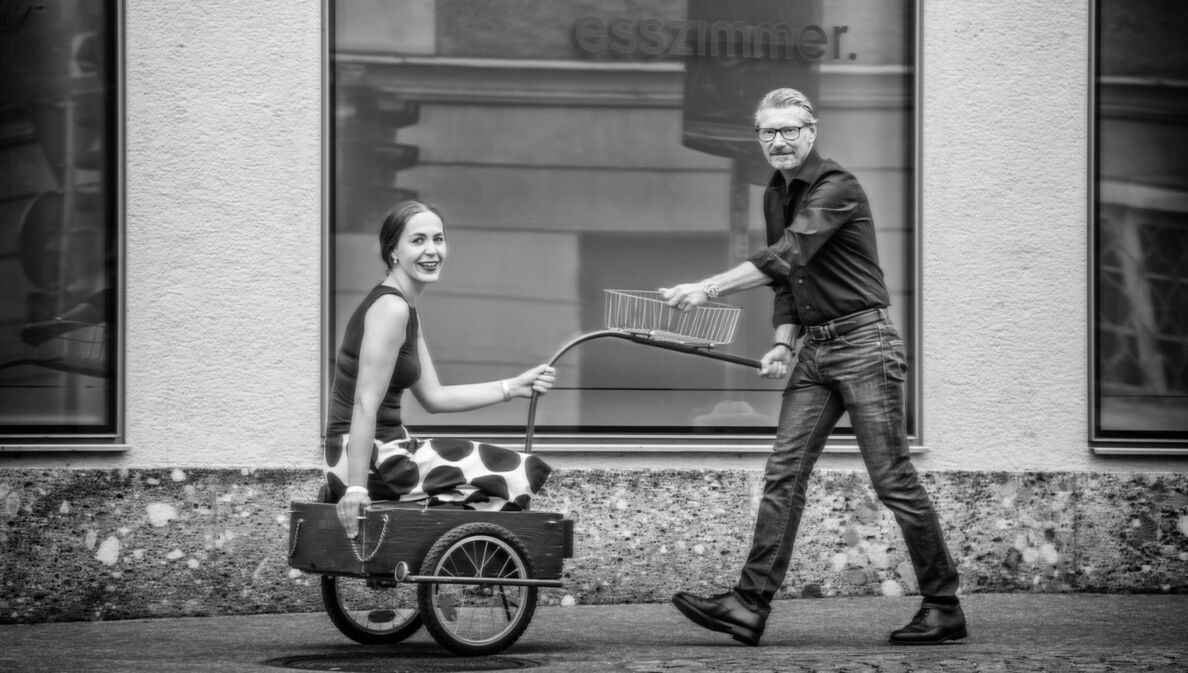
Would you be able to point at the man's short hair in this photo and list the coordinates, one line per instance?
(781, 98)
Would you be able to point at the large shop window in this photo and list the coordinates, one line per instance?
(576, 147)
(59, 221)
(1140, 226)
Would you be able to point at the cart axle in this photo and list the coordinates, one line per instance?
(402, 575)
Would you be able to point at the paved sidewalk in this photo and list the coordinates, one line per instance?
(1008, 632)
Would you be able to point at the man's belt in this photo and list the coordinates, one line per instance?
(845, 324)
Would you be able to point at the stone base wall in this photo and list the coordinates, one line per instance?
(96, 544)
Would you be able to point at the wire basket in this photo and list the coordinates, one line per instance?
(645, 312)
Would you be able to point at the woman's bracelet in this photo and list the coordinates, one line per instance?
(356, 489)
(785, 344)
(505, 389)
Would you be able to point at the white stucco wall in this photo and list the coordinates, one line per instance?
(223, 222)
(1005, 234)
(224, 259)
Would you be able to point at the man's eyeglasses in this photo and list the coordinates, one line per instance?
(788, 132)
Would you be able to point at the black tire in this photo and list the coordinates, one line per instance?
(372, 612)
(477, 619)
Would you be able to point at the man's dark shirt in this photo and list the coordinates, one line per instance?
(821, 255)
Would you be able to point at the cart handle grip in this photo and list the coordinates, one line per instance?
(639, 339)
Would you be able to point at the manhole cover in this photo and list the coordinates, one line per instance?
(399, 663)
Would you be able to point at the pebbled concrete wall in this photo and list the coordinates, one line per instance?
(95, 544)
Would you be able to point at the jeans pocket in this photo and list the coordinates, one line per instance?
(894, 360)
(863, 336)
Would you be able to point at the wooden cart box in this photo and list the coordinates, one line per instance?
(403, 532)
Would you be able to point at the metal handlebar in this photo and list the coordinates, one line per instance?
(639, 339)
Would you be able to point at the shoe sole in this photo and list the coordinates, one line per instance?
(740, 633)
(959, 635)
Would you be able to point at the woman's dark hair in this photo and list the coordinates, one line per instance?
(394, 223)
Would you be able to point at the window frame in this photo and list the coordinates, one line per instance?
(595, 441)
(1106, 442)
(113, 440)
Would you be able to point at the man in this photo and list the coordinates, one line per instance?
(823, 265)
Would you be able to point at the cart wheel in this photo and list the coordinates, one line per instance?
(370, 611)
(477, 619)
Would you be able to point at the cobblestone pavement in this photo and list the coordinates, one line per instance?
(943, 662)
(1025, 633)
(775, 662)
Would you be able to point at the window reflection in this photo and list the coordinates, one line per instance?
(57, 225)
(579, 146)
(1141, 286)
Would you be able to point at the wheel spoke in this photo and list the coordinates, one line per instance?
(503, 599)
(469, 553)
(503, 572)
(485, 560)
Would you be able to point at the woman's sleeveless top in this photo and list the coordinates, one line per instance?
(388, 424)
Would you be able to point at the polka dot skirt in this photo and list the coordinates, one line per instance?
(480, 476)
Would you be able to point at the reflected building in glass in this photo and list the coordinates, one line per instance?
(576, 147)
(1140, 286)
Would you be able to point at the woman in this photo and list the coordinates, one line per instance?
(368, 451)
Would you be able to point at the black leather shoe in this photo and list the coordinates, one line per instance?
(933, 624)
(723, 612)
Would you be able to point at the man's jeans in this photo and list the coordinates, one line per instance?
(863, 373)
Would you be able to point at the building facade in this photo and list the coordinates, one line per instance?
(245, 233)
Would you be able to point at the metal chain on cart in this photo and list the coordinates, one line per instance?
(362, 559)
(383, 534)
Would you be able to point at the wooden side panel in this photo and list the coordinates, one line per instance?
(413, 531)
(317, 543)
(395, 533)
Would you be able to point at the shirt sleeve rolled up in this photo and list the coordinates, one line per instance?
(827, 207)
